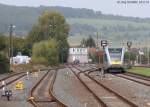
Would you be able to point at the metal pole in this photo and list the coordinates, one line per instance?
(62, 58)
(103, 72)
(129, 50)
(140, 54)
(148, 56)
(129, 56)
(98, 49)
(148, 53)
(10, 44)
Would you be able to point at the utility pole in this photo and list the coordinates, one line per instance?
(11, 43)
(98, 48)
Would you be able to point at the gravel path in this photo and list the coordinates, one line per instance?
(71, 91)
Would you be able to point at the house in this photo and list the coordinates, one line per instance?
(78, 53)
(20, 59)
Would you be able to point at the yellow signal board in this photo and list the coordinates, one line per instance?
(19, 85)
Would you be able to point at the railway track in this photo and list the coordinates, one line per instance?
(120, 100)
(135, 78)
(50, 98)
(12, 78)
(138, 76)
(144, 80)
(95, 96)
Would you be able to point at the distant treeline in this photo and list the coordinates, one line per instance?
(25, 17)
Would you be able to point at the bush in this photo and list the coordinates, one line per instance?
(45, 52)
(4, 64)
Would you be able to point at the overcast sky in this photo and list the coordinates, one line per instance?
(106, 6)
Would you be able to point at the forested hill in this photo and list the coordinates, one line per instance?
(82, 21)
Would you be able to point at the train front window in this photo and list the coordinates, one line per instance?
(115, 54)
(115, 57)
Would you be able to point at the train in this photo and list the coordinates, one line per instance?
(114, 59)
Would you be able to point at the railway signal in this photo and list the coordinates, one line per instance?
(8, 94)
(104, 43)
(129, 44)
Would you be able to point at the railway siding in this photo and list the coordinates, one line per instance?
(135, 92)
(20, 96)
(69, 89)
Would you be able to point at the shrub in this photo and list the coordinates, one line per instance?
(4, 64)
(45, 52)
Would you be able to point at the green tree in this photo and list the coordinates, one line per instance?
(51, 25)
(18, 45)
(4, 64)
(90, 42)
(63, 51)
(130, 55)
(45, 52)
(83, 43)
(2, 42)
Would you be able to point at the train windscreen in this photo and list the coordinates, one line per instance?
(115, 54)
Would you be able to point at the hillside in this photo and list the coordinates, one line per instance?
(82, 22)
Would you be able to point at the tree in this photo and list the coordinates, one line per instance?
(83, 43)
(63, 51)
(90, 42)
(51, 25)
(19, 45)
(130, 55)
(4, 64)
(46, 52)
(2, 42)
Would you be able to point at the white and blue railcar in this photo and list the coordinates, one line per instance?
(114, 59)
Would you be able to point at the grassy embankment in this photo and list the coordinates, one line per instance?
(140, 70)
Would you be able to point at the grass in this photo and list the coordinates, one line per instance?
(140, 70)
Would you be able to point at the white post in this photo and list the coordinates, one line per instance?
(3, 84)
(27, 74)
(85, 104)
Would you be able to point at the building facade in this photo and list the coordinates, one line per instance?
(78, 53)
